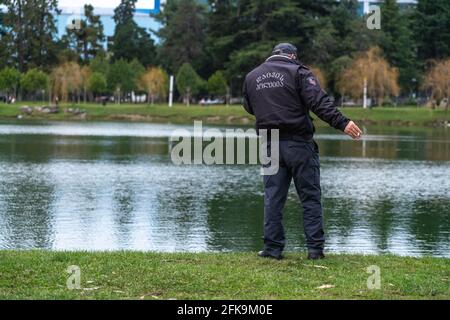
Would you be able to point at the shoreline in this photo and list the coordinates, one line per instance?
(214, 115)
(161, 276)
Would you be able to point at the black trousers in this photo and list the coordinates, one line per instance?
(299, 161)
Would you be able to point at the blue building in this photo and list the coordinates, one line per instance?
(365, 4)
(73, 9)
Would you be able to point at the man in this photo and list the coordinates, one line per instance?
(280, 93)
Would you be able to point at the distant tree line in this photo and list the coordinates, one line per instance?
(210, 48)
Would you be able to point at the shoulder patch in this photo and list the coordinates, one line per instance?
(312, 81)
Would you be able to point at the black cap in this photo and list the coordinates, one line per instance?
(284, 48)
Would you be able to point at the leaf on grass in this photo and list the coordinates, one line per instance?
(91, 289)
(315, 266)
(154, 295)
(118, 291)
(325, 286)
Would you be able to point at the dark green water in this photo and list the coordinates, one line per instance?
(108, 186)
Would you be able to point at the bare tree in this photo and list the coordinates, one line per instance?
(372, 69)
(154, 82)
(66, 79)
(437, 81)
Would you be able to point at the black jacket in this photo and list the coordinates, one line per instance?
(281, 92)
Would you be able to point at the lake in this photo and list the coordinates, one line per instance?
(112, 186)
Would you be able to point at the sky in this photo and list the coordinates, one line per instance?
(107, 6)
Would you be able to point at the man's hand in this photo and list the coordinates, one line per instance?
(353, 130)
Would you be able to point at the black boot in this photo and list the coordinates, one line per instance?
(265, 254)
(316, 255)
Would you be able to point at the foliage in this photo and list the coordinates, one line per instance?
(397, 43)
(370, 67)
(155, 82)
(34, 80)
(100, 64)
(87, 40)
(432, 29)
(217, 84)
(97, 83)
(66, 79)
(138, 70)
(9, 80)
(121, 78)
(231, 36)
(437, 80)
(131, 41)
(188, 82)
(30, 32)
(182, 34)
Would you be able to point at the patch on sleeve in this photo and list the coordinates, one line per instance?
(312, 81)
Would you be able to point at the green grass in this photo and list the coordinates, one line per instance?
(221, 114)
(137, 275)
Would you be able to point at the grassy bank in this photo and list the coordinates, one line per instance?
(132, 275)
(216, 114)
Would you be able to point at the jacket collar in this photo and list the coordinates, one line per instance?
(279, 57)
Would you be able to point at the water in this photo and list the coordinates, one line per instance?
(111, 186)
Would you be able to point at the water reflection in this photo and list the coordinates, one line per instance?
(112, 186)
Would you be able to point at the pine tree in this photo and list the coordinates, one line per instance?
(87, 41)
(131, 41)
(182, 35)
(30, 39)
(397, 43)
(432, 29)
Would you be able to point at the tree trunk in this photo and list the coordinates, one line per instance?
(19, 30)
(188, 100)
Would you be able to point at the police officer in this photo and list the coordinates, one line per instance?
(280, 93)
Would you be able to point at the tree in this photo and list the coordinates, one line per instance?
(97, 83)
(138, 70)
(437, 81)
(121, 78)
(87, 40)
(217, 85)
(182, 34)
(86, 73)
(100, 64)
(66, 80)
(34, 80)
(188, 82)
(154, 82)
(350, 36)
(260, 25)
(373, 69)
(397, 43)
(131, 41)
(3, 33)
(222, 22)
(241, 34)
(30, 38)
(432, 29)
(9, 80)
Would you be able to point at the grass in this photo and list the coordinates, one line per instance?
(220, 114)
(138, 275)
